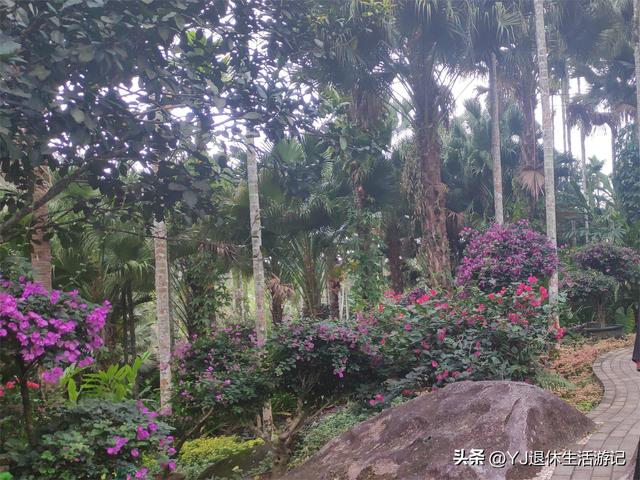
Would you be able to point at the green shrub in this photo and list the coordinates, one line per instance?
(196, 455)
(464, 335)
(97, 439)
(316, 435)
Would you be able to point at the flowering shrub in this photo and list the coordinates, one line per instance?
(222, 370)
(621, 263)
(468, 334)
(48, 328)
(602, 279)
(45, 330)
(98, 439)
(504, 254)
(335, 354)
(590, 289)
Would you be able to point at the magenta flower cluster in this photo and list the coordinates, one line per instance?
(503, 254)
(50, 328)
(146, 436)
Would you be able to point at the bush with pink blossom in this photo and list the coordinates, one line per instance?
(503, 254)
(465, 335)
(227, 377)
(221, 372)
(97, 439)
(45, 331)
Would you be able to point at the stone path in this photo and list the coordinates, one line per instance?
(617, 420)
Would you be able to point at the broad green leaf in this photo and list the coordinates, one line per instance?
(71, 3)
(77, 114)
(7, 45)
(190, 198)
(86, 53)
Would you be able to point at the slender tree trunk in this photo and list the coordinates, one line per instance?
(163, 312)
(256, 241)
(583, 168)
(125, 327)
(526, 95)
(27, 409)
(495, 140)
(258, 262)
(394, 253)
(614, 137)
(636, 56)
(237, 293)
(132, 324)
(553, 120)
(40, 245)
(334, 284)
(547, 129)
(566, 129)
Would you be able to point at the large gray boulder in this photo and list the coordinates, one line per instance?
(418, 439)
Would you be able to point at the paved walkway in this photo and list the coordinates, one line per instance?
(617, 419)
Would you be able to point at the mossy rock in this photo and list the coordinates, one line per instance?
(231, 467)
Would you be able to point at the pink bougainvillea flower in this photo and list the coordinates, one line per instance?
(423, 299)
(142, 473)
(141, 433)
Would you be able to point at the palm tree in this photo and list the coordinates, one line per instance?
(258, 261)
(163, 314)
(492, 26)
(256, 239)
(547, 130)
(636, 56)
(422, 44)
(495, 140)
(40, 245)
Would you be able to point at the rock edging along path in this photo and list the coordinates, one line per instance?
(617, 419)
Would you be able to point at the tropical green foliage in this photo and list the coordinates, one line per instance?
(114, 384)
(124, 137)
(198, 454)
(96, 439)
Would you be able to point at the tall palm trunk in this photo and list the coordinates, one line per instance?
(40, 246)
(334, 283)
(583, 168)
(238, 294)
(430, 202)
(614, 136)
(125, 326)
(394, 252)
(636, 56)
(132, 324)
(258, 262)
(547, 130)
(256, 241)
(566, 128)
(495, 140)
(163, 313)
